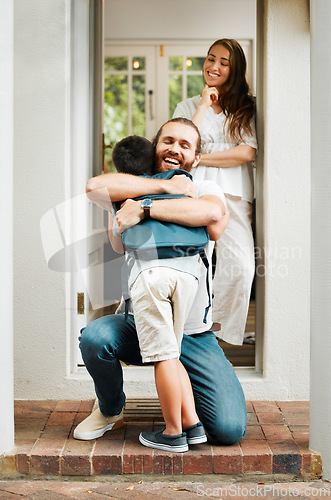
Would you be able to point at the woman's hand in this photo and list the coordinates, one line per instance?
(209, 96)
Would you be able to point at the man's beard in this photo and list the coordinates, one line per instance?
(159, 167)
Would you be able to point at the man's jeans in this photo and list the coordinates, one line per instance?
(218, 395)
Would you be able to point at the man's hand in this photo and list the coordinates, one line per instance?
(181, 184)
(129, 215)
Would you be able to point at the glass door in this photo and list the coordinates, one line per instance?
(129, 100)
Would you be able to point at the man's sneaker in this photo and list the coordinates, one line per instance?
(96, 424)
(195, 434)
(177, 443)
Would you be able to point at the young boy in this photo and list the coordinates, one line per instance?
(162, 293)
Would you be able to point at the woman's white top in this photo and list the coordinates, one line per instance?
(236, 181)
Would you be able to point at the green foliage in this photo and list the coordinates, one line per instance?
(194, 85)
(197, 63)
(175, 92)
(194, 79)
(116, 103)
(138, 105)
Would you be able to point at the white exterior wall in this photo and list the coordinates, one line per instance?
(286, 193)
(39, 305)
(40, 176)
(6, 224)
(41, 173)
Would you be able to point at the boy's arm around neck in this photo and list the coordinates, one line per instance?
(107, 188)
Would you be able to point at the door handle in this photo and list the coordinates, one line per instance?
(104, 146)
(151, 115)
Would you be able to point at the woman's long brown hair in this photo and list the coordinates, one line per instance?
(235, 99)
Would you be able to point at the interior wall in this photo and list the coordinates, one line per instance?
(179, 19)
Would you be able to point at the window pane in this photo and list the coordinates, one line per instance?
(175, 63)
(175, 92)
(115, 111)
(194, 85)
(116, 63)
(194, 63)
(138, 63)
(138, 105)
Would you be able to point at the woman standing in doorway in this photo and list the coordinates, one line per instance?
(225, 114)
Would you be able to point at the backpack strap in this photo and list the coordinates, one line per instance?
(125, 272)
(126, 308)
(206, 263)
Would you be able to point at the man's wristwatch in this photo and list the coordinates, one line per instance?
(146, 204)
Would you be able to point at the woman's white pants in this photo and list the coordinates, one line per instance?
(234, 273)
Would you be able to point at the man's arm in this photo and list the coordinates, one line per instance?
(208, 210)
(107, 188)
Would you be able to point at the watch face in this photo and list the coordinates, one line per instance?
(146, 203)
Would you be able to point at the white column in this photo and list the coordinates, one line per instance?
(6, 227)
(320, 412)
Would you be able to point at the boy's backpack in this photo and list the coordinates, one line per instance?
(151, 238)
(167, 238)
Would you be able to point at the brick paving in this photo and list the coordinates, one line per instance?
(147, 490)
(276, 443)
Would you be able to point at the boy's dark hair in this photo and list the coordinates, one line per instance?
(134, 155)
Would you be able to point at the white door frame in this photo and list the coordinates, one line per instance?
(320, 407)
(84, 222)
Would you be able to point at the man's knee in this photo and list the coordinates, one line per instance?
(89, 343)
(96, 339)
(227, 432)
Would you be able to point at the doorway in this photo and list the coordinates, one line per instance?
(155, 74)
(142, 85)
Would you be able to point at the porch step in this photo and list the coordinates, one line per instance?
(143, 410)
(276, 443)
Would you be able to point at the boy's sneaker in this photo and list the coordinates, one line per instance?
(195, 434)
(177, 443)
(96, 424)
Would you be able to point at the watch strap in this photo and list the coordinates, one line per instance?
(147, 212)
(146, 205)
